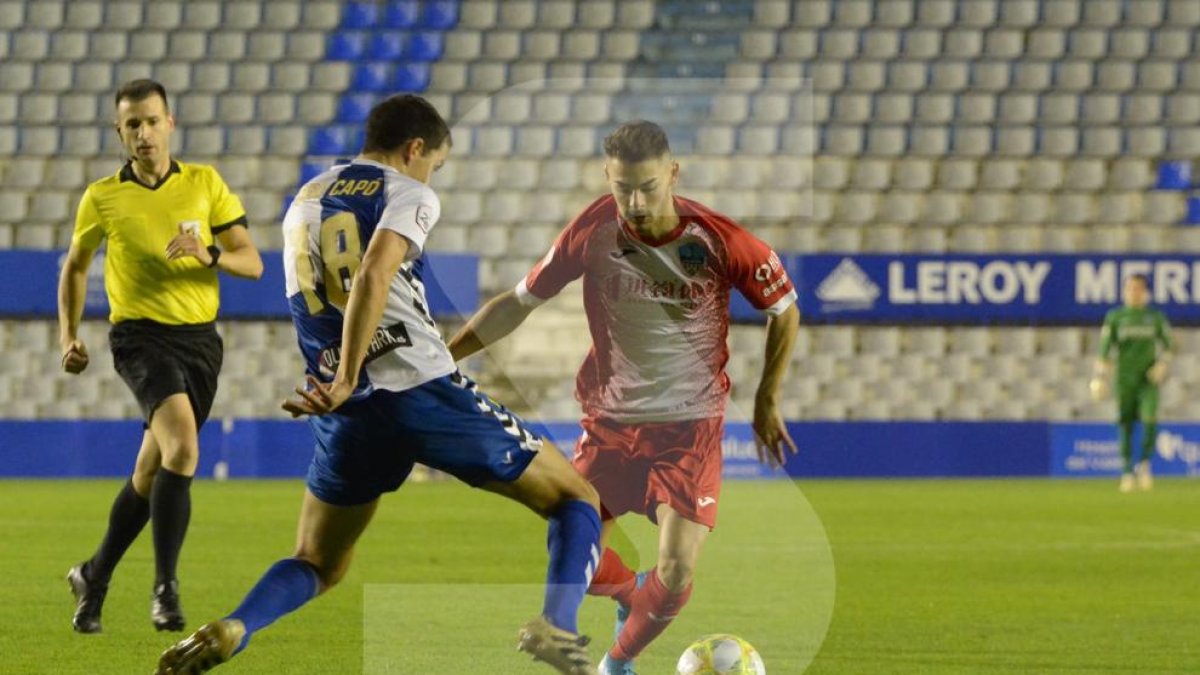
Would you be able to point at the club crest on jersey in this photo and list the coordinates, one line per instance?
(692, 256)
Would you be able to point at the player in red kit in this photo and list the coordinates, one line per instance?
(657, 274)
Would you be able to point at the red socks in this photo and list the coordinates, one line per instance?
(614, 579)
(653, 608)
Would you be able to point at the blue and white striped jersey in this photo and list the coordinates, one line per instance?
(326, 231)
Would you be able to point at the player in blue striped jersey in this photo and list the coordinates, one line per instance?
(383, 393)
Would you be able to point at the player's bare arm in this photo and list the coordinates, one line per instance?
(364, 309)
(72, 289)
(492, 323)
(774, 442)
(236, 255)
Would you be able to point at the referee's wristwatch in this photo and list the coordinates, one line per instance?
(216, 255)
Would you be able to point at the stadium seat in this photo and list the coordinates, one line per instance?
(900, 207)
(334, 140)
(226, 46)
(913, 174)
(347, 45)
(1031, 76)
(80, 141)
(401, 13)
(372, 76)
(970, 141)
(316, 15)
(426, 46)
(1142, 109)
(108, 45)
(934, 108)
(250, 77)
(354, 108)
(893, 108)
(440, 14)
(361, 15)
(411, 77)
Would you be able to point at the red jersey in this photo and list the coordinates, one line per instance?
(658, 311)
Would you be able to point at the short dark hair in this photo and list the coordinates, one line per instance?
(399, 119)
(637, 141)
(1142, 278)
(141, 89)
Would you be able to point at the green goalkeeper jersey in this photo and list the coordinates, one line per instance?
(1137, 334)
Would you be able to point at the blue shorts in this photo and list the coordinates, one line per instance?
(368, 447)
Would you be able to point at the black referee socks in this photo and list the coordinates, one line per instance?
(170, 511)
(130, 512)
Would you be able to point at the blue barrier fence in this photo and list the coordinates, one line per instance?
(281, 449)
(29, 286)
(833, 288)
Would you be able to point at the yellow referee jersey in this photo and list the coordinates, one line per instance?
(138, 222)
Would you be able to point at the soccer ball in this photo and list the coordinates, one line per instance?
(721, 655)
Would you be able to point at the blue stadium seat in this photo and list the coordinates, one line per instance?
(426, 46)
(713, 70)
(683, 14)
(401, 14)
(332, 140)
(346, 45)
(682, 138)
(683, 107)
(310, 170)
(411, 77)
(691, 46)
(1174, 175)
(354, 108)
(388, 46)
(371, 76)
(361, 15)
(440, 14)
(1193, 211)
(283, 207)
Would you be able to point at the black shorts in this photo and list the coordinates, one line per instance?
(157, 361)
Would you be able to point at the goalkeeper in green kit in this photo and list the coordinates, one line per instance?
(1142, 339)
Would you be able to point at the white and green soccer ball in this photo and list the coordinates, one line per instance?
(721, 655)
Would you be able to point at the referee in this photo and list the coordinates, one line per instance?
(162, 220)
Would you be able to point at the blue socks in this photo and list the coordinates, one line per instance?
(283, 589)
(573, 541)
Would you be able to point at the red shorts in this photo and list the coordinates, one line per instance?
(636, 467)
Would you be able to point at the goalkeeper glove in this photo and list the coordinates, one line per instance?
(1098, 388)
(1157, 372)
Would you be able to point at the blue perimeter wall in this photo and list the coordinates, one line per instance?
(281, 449)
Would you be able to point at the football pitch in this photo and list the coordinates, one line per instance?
(930, 577)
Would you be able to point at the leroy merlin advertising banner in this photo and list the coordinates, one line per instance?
(987, 289)
(1090, 449)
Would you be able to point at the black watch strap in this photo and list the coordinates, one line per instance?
(216, 255)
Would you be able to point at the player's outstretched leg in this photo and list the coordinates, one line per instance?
(550, 487)
(126, 519)
(664, 592)
(326, 538)
(614, 579)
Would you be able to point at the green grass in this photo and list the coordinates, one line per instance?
(924, 577)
